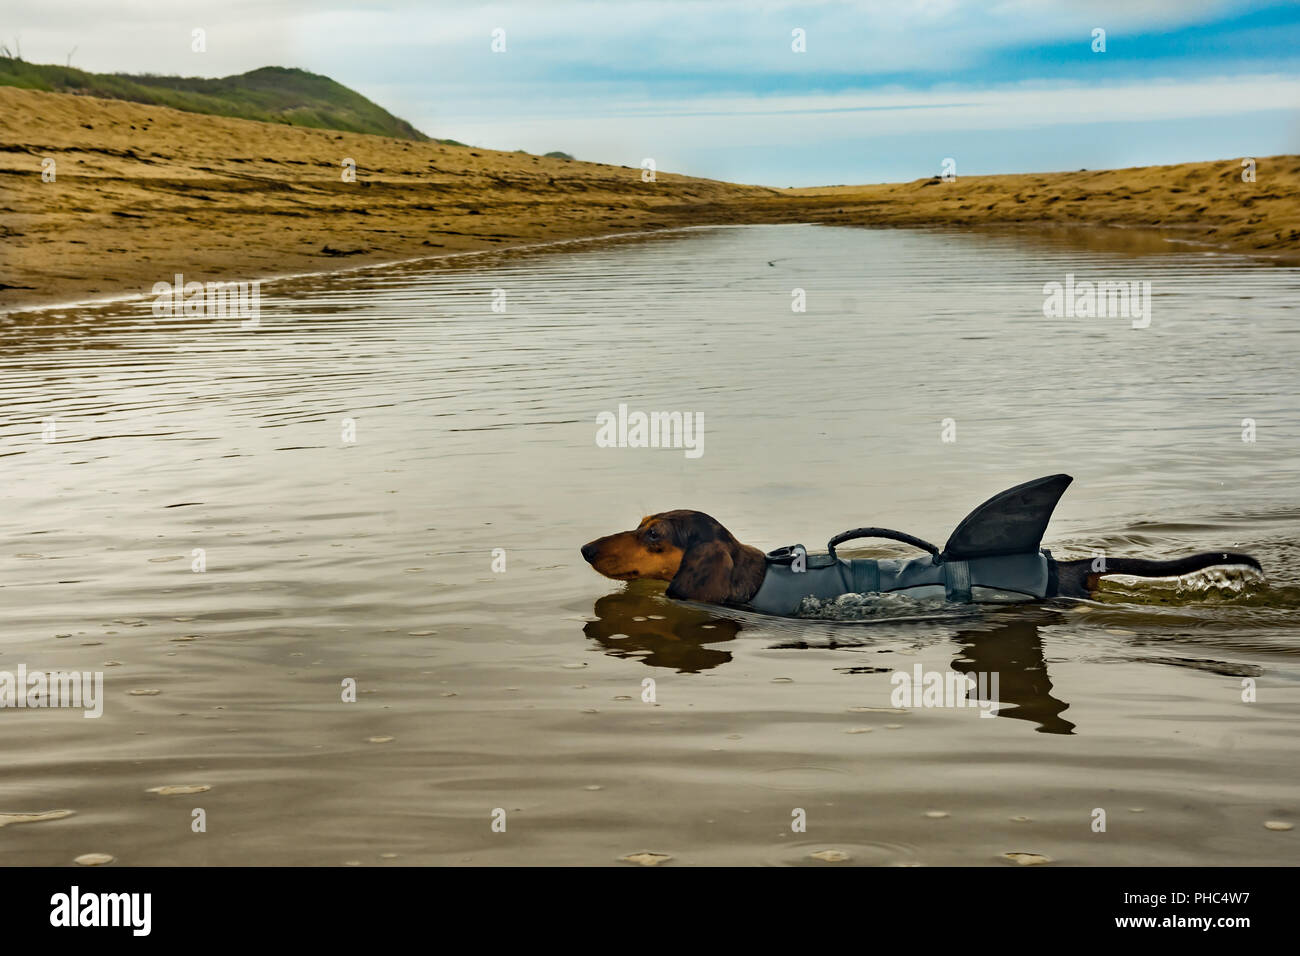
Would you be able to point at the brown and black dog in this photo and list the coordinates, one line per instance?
(700, 558)
(703, 561)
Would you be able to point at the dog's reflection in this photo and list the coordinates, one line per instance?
(639, 622)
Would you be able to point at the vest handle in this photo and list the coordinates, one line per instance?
(884, 533)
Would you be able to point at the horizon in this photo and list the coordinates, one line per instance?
(879, 94)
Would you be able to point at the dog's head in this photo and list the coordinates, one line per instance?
(687, 548)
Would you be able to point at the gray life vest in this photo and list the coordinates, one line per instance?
(993, 556)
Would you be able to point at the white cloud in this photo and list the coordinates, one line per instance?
(713, 38)
(679, 80)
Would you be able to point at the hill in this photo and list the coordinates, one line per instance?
(272, 94)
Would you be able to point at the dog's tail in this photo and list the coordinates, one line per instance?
(1080, 578)
(1146, 568)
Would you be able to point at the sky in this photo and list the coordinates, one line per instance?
(883, 91)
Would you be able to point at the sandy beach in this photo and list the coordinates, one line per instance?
(142, 192)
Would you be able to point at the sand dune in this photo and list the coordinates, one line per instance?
(142, 192)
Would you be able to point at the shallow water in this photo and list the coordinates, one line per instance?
(522, 691)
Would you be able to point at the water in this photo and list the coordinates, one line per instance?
(180, 440)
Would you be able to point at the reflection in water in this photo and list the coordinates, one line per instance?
(1010, 646)
(640, 622)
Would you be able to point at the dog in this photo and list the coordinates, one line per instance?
(702, 561)
(699, 558)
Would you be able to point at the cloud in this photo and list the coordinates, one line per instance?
(686, 80)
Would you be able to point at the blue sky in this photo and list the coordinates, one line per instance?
(884, 91)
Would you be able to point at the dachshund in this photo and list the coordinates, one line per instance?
(702, 561)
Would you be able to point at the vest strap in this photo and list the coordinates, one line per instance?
(956, 576)
(866, 576)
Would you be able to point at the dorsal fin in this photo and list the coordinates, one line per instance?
(1011, 522)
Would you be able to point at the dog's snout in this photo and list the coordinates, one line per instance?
(589, 551)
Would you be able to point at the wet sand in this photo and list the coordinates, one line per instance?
(141, 193)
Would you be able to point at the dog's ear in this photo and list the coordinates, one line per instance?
(704, 574)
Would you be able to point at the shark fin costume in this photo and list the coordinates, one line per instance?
(993, 556)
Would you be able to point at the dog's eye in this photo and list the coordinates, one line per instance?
(652, 534)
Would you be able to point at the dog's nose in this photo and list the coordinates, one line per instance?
(589, 552)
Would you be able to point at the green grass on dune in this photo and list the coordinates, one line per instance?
(272, 94)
